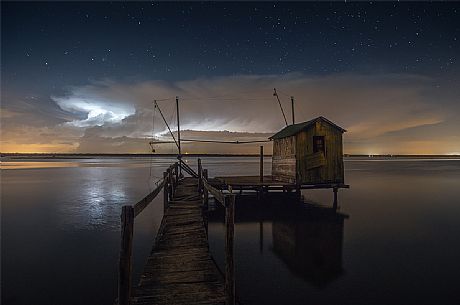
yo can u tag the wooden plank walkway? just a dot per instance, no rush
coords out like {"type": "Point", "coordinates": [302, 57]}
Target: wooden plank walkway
{"type": "Point", "coordinates": [180, 269]}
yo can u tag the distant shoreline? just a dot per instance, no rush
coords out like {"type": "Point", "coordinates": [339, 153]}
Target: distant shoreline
{"type": "Point", "coordinates": [91, 156]}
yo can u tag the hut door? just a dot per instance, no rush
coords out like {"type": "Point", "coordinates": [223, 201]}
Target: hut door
{"type": "Point", "coordinates": [318, 144]}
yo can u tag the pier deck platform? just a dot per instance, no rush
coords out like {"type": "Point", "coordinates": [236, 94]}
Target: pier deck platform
{"type": "Point", "coordinates": [268, 182]}
{"type": "Point", "coordinates": [180, 269]}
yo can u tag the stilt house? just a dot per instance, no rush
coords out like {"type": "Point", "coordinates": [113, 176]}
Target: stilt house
{"type": "Point", "coordinates": [309, 153]}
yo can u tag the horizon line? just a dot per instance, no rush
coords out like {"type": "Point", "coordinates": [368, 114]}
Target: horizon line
{"type": "Point", "coordinates": [2, 154]}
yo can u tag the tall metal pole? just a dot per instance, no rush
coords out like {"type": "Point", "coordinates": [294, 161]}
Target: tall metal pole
{"type": "Point", "coordinates": [166, 123]}
{"type": "Point", "coordinates": [279, 103]}
{"type": "Point", "coordinates": [178, 133]}
{"type": "Point", "coordinates": [292, 109]}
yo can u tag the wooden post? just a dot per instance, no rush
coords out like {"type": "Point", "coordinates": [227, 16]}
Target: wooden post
{"type": "Point", "coordinates": [206, 193]}
{"type": "Point", "coordinates": [292, 110]}
{"type": "Point", "coordinates": [205, 202]}
{"type": "Point", "coordinates": [229, 248]}
{"type": "Point", "coordinates": [298, 193]}
{"type": "Point", "coordinates": [126, 251]}
{"type": "Point", "coordinates": [261, 165]}
{"type": "Point", "coordinates": [168, 178]}
{"type": "Point", "coordinates": [335, 189]}
{"type": "Point", "coordinates": [171, 181]}
{"type": "Point", "coordinates": [165, 192]}
{"type": "Point", "coordinates": [200, 175]}
{"type": "Point", "coordinates": [176, 172]}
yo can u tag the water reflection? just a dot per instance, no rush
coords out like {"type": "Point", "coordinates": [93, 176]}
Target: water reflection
{"type": "Point", "coordinates": [97, 207]}
{"type": "Point", "coordinates": [306, 238]}
{"type": "Point", "coordinates": [310, 243]}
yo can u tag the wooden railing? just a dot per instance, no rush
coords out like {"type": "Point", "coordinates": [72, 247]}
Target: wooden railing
{"type": "Point", "coordinates": [228, 202]}
{"type": "Point", "coordinates": [128, 214]}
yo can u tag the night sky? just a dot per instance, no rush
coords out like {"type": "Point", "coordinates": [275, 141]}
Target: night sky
{"type": "Point", "coordinates": [81, 77]}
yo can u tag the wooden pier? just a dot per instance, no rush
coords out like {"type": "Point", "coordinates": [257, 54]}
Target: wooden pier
{"type": "Point", "coordinates": [179, 269]}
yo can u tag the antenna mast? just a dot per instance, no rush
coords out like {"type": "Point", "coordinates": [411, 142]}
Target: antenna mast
{"type": "Point", "coordinates": [281, 107]}
{"type": "Point", "coordinates": [167, 125]}
{"type": "Point", "coordinates": [178, 134]}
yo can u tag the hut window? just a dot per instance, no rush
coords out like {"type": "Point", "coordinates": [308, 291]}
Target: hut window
{"type": "Point", "coordinates": [318, 144]}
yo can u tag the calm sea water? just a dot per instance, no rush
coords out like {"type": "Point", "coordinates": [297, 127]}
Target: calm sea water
{"type": "Point", "coordinates": [396, 239]}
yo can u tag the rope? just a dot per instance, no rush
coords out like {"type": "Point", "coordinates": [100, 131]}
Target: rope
{"type": "Point", "coordinates": [225, 142]}
{"type": "Point", "coordinates": [213, 141]}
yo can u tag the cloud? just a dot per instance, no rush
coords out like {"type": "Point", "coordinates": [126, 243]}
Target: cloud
{"type": "Point", "coordinates": [97, 109]}
{"type": "Point", "coordinates": [120, 115]}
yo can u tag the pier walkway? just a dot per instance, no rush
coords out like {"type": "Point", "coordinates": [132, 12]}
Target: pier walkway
{"type": "Point", "coordinates": [180, 269]}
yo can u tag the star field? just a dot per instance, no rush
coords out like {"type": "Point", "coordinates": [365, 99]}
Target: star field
{"type": "Point", "coordinates": [58, 49]}
{"type": "Point", "coordinates": [183, 40]}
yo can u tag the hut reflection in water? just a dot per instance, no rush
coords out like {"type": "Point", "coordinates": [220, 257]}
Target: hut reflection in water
{"type": "Point", "coordinates": [307, 238]}
{"type": "Point", "coordinates": [310, 244]}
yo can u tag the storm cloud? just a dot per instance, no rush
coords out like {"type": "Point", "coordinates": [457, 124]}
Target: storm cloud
{"type": "Point", "coordinates": [385, 113]}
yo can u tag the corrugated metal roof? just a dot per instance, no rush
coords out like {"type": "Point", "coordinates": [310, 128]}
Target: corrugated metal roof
{"type": "Point", "coordinates": [296, 128]}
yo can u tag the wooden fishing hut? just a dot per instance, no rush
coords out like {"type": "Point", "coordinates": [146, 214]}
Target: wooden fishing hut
{"type": "Point", "coordinates": [309, 153]}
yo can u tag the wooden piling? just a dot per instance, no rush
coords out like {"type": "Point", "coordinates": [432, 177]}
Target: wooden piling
{"type": "Point", "coordinates": [298, 193]}
{"type": "Point", "coordinates": [206, 193]}
{"type": "Point", "coordinates": [205, 197]}
{"type": "Point", "coordinates": [165, 192]}
{"type": "Point", "coordinates": [168, 177]}
{"type": "Point", "coordinates": [200, 176]}
{"type": "Point", "coordinates": [334, 205]}
{"type": "Point", "coordinates": [125, 260]}
{"type": "Point", "coordinates": [229, 248]}
{"type": "Point", "coordinates": [261, 165]}
{"type": "Point", "coordinates": [171, 180]}
{"type": "Point", "coordinates": [176, 172]}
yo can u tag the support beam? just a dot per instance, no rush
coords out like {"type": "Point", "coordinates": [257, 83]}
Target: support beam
{"type": "Point", "coordinates": [334, 205]}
